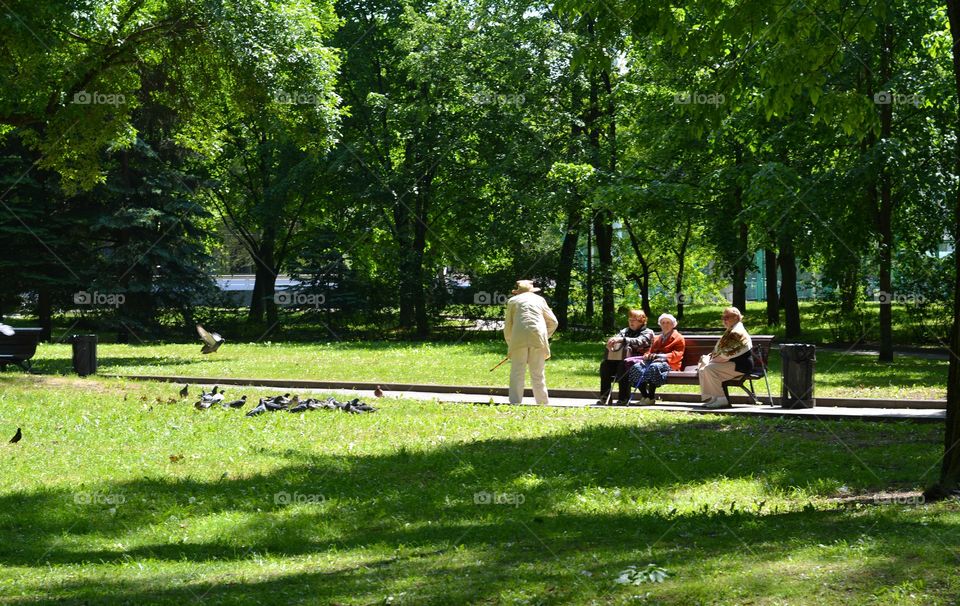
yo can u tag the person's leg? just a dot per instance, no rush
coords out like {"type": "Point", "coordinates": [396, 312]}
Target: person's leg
{"type": "Point", "coordinates": [652, 391]}
{"type": "Point", "coordinates": [623, 393]}
{"type": "Point", "coordinates": [518, 368]}
{"type": "Point", "coordinates": [712, 377]}
{"type": "Point", "coordinates": [538, 377]}
{"type": "Point", "coordinates": [709, 381]}
{"type": "Point", "coordinates": [607, 370]}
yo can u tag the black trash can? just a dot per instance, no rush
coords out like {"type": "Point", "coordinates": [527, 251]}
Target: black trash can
{"type": "Point", "coordinates": [799, 361]}
{"type": "Point", "coordinates": [84, 354]}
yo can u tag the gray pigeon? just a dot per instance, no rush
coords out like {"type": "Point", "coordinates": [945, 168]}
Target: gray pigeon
{"type": "Point", "coordinates": [211, 340]}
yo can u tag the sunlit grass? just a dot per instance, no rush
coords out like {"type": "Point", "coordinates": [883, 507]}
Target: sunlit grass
{"type": "Point", "coordinates": [116, 495]}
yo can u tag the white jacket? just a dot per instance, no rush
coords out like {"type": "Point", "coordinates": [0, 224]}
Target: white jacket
{"type": "Point", "coordinates": [529, 322]}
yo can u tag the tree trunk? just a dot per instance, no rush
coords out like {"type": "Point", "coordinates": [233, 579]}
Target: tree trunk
{"type": "Point", "coordinates": [681, 263]}
{"type": "Point", "coordinates": [602, 225]}
{"type": "Point", "coordinates": [568, 253]}
{"type": "Point", "coordinates": [885, 214]}
{"type": "Point", "coordinates": [643, 280]}
{"type": "Point", "coordinates": [419, 249]}
{"type": "Point", "coordinates": [265, 281]}
{"type": "Point", "coordinates": [44, 314]}
{"type": "Point", "coordinates": [590, 271]}
{"type": "Point", "coordinates": [571, 233]}
{"type": "Point", "coordinates": [606, 250]}
{"type": "Point", "coordinates": [773, 301]}
{"type": "Point", "coordinates": [788, 288]}
{"type": "Point", "coordinates": [740, 271]}
{"type": "Point", "coordinates": [950, 467]}
{"type": "Point", "coordinates": [743, 261]}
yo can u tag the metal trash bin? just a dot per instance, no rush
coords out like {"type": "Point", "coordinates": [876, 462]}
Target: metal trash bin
{"type": "Point", "coordinates": [799, 361]}
{"type": "Point", "coordinates": [84, 354]}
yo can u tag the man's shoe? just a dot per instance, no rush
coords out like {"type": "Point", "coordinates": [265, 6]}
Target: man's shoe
{"type": "Point", "coordinates": [648, 401]}
{"type": "Point", "coordinates": [717, 403]}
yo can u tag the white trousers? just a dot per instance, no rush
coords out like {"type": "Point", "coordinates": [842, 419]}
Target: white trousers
{"type": "Point", "coordinates": [520, 358]}
{"type": "Point", "coordinates": [712, 377]}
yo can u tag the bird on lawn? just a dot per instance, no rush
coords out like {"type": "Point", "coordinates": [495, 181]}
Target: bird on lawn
{"type": "Point", "coordinates": [185, 391]}
{"type": "Point", "coordinates": [236, 403]}
{"type": "Point", "coordinates": [16, 437]}
{"type": "Point", "coordinates": [378, 392]}
{"type": "Point", "coordinates": [211, 340]}
{"type": "Point", "coordinates": [258, 409]}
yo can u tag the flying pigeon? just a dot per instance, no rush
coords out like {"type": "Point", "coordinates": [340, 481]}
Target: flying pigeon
{"type": "Point", "coordinates": [6, 330]}
{"type": "Point", "coordinates": [211, 340]}
{"type": "Point", "coordinates": [16, 437]}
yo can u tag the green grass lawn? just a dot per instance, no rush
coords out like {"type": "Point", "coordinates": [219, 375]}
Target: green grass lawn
{"type": "Point", "coordinates": [114, 496]}
{"type": "Point", "coordinates": [574, 365]}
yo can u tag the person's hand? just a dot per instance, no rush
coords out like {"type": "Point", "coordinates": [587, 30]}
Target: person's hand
{"type": "Point", "coordinates": [611, 343]}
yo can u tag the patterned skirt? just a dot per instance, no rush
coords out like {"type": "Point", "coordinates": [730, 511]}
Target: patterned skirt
{"type": "Point", "coordinates": [654, 373]}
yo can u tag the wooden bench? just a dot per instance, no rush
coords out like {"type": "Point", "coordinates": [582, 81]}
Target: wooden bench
{"type": "Point", "coordinates": [696, 346]}
{"type": "Point", "coordinates": [19, 347]}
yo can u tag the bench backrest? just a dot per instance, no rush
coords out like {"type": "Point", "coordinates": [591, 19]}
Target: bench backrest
{"type": "Point", "coordinates": [22, 344]}
{"type": "Point", "coordinates": [696, 346]}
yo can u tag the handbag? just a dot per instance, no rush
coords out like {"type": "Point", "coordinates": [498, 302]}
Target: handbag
{"type": "Point", "coordinates": [619, 351]}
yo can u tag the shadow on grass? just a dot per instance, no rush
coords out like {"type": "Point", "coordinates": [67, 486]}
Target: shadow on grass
{"type": "Point", "coordinates": [419, 516]}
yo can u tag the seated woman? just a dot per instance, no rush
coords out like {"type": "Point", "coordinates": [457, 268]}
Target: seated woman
{"type": "Point", "coordinates": [633, 340]}
{"type": "Point", "coordinates": [731, 357]}
{"type": "Point", "coordinates": [650, 371]}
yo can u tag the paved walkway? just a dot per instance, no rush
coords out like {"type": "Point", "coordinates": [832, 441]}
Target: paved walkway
{"type": "Point", "coordinates": [821, 413]}
{"type": "Point", "coordinates": [832, 412]}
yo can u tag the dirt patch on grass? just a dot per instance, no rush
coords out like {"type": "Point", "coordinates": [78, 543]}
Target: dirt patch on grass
{"type": "Point", "coordinates": [883, 497]}
{"type": "Point", "coordinates": [58, 382]}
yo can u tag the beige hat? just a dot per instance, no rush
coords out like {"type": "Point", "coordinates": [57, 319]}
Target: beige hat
{"type": "Point", "coordinates": [524, 286]}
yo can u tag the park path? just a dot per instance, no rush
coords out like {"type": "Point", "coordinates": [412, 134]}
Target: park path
{"type": "Point", "coordinates": [858, 409]}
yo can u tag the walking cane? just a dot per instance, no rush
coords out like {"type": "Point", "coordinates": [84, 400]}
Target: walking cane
{"type": "Point", "coordinates": [501, 362]}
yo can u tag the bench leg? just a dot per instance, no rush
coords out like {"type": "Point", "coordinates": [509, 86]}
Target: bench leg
{"type": "Point", "coordinates": [750, 392]}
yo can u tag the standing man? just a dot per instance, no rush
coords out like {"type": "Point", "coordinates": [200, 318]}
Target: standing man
{"type": "Point", "coordinates": [527, 327]}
